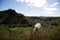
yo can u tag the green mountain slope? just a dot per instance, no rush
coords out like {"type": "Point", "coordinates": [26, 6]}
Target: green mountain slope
{"type": "Point", "coordinates": [11, 18]}
{"type": "Point", "coordinates": [47, 21]}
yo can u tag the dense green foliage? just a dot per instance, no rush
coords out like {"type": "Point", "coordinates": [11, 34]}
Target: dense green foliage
{"type": "Point", "coordinates": [13, 19]}
{"type": "Point", "coordinates": [47, 21]}
{"type": "Point", "coordinates": [15, 26]}
{"type": "Point", "coordinates": [44, 33]}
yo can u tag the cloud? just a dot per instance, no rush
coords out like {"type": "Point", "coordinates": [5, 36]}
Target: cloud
{"type": "Point", "coordinates": [54, 4]}
{"type": "Point", "coordinates": [48, 8]}
{"type": "Point", "coordinates": [20, 0]}
{"type": "Point", "coordinates": [36, 3]}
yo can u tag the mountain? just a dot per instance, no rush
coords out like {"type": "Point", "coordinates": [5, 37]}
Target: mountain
{"type": "Point", "coordinates": [12, 19]}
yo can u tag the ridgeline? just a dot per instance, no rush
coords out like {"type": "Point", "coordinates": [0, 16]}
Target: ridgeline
{"type": "Point", "coordinates": [11, 18]}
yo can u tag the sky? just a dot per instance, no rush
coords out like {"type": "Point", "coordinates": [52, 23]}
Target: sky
{"type": "Point", "coordinates": [32, 7]}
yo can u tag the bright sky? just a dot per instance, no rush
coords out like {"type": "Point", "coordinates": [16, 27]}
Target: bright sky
{"type": "Point", "coordinates": [32, 7]}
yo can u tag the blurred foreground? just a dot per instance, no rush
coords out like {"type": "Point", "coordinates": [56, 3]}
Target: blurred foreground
{"type": "Point", "coordinates": [21, 33]}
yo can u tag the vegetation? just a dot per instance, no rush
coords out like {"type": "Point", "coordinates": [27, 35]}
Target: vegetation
{"type": "Point", "coordinates": [12, 19]}
{"type": "Point", "coordinates": [14, 26]}
{"type": "Point", "coordinates": [47, 21]}
{"type": "Point", "coordinates": [44, 33]}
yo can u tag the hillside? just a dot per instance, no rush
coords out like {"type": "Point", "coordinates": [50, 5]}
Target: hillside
{"type": "Point", "coordinates": [16, 26]}
{"type": "Point", "coordinates": [47, 21]}
{"type": "Point", "coordinates": [12, 19]}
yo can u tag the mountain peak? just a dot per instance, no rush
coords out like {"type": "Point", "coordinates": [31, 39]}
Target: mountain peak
{"type": "Point", "coordinates": [10, 17]}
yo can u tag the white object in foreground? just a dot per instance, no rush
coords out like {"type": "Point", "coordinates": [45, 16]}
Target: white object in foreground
{"type": "Point", "coordinates": [37, 26]}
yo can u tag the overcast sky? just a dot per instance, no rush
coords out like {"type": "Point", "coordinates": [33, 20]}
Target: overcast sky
{"type": "Point", "coordinates": [32, 7]}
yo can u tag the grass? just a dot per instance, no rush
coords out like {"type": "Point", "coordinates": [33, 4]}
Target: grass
{"type": "Point", "coordinates": [44, 33]}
